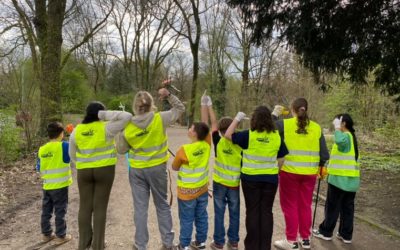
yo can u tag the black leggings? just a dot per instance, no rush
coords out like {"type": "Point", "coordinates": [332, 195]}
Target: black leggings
{"type": "Point", "coordinates": [94, 191]}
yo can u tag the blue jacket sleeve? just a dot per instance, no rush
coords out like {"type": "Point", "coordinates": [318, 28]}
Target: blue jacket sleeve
{"type": "Point", "coordinates": [38, 164]}
{"type": "Point", "coordinates": [65, 147]}
{"type": "Point", "coordinates": [241, 138]}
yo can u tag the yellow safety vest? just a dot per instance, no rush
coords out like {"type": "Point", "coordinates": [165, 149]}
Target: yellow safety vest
{"type": "Point", "coordinates": [344, 164]}
{"type": "Point", "coordinates": [227, 163]}
{"type": "Point", "coordinates": [55, 172]}
{"type": "Point", "coordinates": [149, 146]}
{"type": "Point", "coordinates": [303, 157]}
{"type": "Point", "coordinates": [260, 157]}
{"type": "Point", "coordinates": [195, 174]}
{"type": "Point", "coordinates": [93, 150]}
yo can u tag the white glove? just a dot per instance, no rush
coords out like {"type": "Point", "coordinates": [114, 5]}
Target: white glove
{"type": "Point", "coordinates": [205, 100]}
{"type": "Point", "coordinates": [278, 110]}
{"type": "Point", "coordinates": [240, 116]}
{"type": "Point", "coordinates": [337, 123]}
{"type": "Point", "coordinates": [209, 103]}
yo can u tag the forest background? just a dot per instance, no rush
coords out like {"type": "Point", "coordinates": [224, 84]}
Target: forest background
{"type": "Point", "coordinates": [56, 56]}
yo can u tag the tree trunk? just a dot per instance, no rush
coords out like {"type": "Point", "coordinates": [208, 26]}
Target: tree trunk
{"type": "Point", "coordinates": [195, 54]}
{"type": "Point", "coordinates": [50, 88]}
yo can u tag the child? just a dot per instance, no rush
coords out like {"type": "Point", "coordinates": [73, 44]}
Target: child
{"type": "Point", "coordinates": [192, 163]}
{"type": "Point", "coordinates": [343, 182]}
{"type": "Point", "coordinates": [226, 179]}
{"type": "Point", "coordinates": [53, 164]}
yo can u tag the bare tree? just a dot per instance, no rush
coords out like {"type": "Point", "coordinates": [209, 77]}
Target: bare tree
{"type": "Point", "coordinates": [188, 25]}
{"type": "Point", "coordinates": [40, 25]}
{"type": "Point", "coordinates": [144, 38]}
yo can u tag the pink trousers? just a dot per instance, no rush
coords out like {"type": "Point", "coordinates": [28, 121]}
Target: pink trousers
{"type": "Point", "coordinates": [295, 194]}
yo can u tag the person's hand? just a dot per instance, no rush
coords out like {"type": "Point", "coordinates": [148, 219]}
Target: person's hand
{"type": "Point", "coordinates": [206, 100]}
{"type": "Point", "coordinates": [240, 116]}
{"type": "Point", "coordinates": [163, 93]}
{"type": "Point", "coordinates": [323, 173]}
{"type": "Point", "coordinates": [337, 123]}
{"type": "Point", "coordinates": [279, 110]}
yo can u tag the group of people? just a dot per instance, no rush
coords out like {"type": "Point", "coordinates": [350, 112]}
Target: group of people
{"type": "Point", "coordinates": [291, 152]}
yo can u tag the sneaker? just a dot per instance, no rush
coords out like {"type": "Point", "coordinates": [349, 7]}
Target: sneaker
{"type": "Point", "coordinates": [173, 247]}
{"type": "Point", "coordinates": [341, 238]}
{"type": "Point", "coordinates": [183, 248]}
{"type": "Point", "coordinates": [318, 234]}
{"type": "Point", "coordinates": [232, 246]}
{"type": "Point", "coordinates": [62, 240]}
{"type": "Point", "coordinates": [215, 246]}
{"type": "Point", "coordinates": [305, 244]}
{"type": "Point", "coordinates": [286, 245]}
{"type": "Point", "coordinates": [196, 245]}
{"type": "Point", "coordinates": [47, 238]}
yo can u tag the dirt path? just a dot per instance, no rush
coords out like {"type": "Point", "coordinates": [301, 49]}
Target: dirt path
{"type": "Point", "coordinates": [24, 228]}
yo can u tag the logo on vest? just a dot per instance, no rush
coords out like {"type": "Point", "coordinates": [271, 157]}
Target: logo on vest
{"type": "Point", "coordinates": [228, 151]}
{"type": "Point", "coordinates": [198, 152]}
{"type": "Point", "coordinates": [263, 140]}
{"type": "Point", "coordinates": [144, 132]}
{"type": "Point", "coordinates": [88, 133]}
{"type": "Point", "coordinates": [47, 155]}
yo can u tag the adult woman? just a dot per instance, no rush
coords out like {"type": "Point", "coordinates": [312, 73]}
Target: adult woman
{"type": "Point", "coordinates": [145, 140]}
{"type": "Point", "coordinates": [92, 150]}
{"type": "Point", "coordinates": [307, 151]}
{"type": "Point", "coordinates": [262, 147]}
{"type": "Point", "coordinates": [343, 182]}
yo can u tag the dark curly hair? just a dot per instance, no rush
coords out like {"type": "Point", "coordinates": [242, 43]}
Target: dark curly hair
{"type": "Point", "coordinates": [261, 120]}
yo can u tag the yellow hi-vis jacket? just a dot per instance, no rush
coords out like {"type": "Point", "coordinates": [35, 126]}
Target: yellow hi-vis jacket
{"type": "Point", "coordinates": [55, 172]}
{"type": "Point", "coordinates": [93, 150]}
{"type": "Point", "coordinates": [260, 157]}
{"type": "Point", "coordinates": [303, 157]}
{"type": "Point", "coordinates": [344, 164]}
{"type": "Point", "coordinates": [195, 174]}
{"type": "Point", "coordinates": [227, 163]}
{"type": "Point", "coordinates": [149, 146]}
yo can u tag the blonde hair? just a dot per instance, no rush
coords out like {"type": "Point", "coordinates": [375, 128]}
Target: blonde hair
{"type": "Point", "coordinates": [143, 103]}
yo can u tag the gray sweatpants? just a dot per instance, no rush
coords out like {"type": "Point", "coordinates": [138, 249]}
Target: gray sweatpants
{"type": "Point", "coordinates": [143, 181]}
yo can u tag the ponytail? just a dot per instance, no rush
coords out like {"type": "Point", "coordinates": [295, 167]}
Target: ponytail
{"type": "Point", "coordinates": [349, 124]}
{"type": "Point", "coordinates": [300, 107]}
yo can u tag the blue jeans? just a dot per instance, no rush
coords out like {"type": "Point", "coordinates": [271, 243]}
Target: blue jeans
{"type": "Point", "coordinates": [222, 196]}
{"type": "Point", "coordinates": [193, 211]}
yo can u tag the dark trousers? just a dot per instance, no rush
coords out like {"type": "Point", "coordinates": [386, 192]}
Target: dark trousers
{"type": "Point", "coordinates": [54, 200]}
{"type": "Point", "coordinates": [338, 203]}
{"type": "Point", "coordinates": [94, 191]}
{"type": "Point", "coordinates": [259, 199]}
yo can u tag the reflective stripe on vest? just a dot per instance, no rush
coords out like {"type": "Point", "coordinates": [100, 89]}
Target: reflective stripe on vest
{"type": "Point", "coordinates": [260, 157]}
{"type": "Point", "coordinates": [303, 157]}
{"type": "Point", "coordinates": [55, 173]}
{"type": "Point", "coordinates": [344, 164]}
{"type": "Point", "coordinates": [195, 174]}
{"type": "Point", "coordinates": [227, 163]}
{"type": "Point", "coordinates": [93, 150]}
{"type": "Point", "coordinates": [149, 146]}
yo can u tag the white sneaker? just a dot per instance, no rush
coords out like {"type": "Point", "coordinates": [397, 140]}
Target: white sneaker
{"type": "Point", "coordinates": [318, 234]}
{"type": "Point", "coordinates": [286, 245]}
{"type": "Point", "coordinates": [341, 238]}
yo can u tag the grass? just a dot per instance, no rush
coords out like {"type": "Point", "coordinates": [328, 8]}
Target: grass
{"type": "Point", "coordinates": [375, 153]}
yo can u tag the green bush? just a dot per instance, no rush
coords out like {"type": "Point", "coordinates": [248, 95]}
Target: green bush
{"type": "Point", "coordinates": [10, 138]}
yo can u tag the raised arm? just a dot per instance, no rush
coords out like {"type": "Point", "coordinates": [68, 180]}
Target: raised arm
{"type": "Point", "coordinates": [229, 132]}
{"type": "Point", "coordinates": [169, 117]}
{"type": "Point", "coordinates": [213, 119]}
